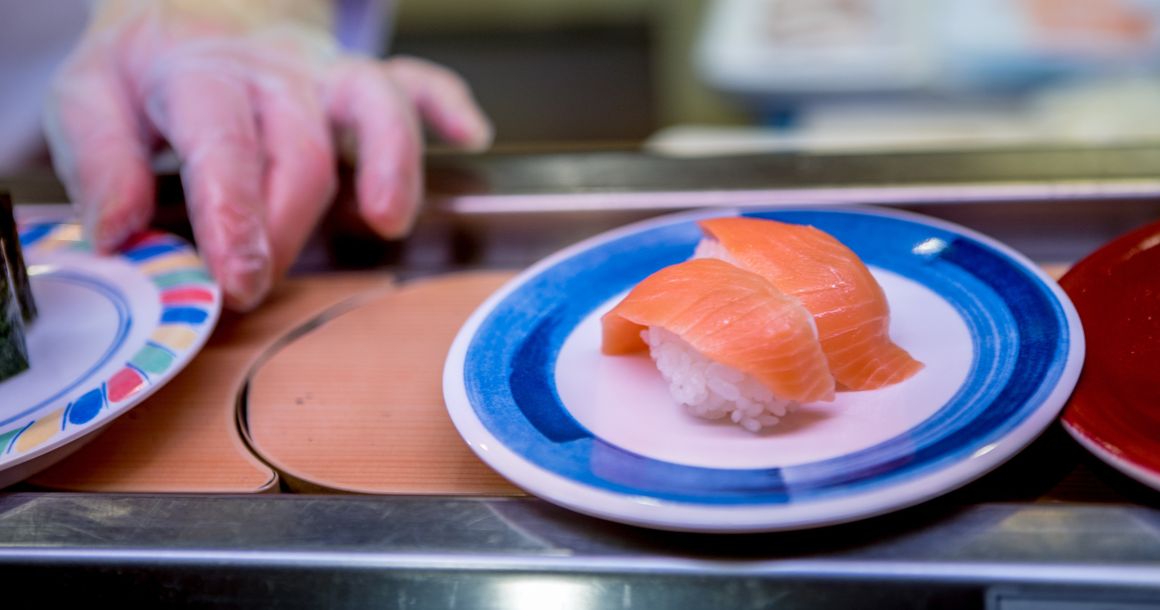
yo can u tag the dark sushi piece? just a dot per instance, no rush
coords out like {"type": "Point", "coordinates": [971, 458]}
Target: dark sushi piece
{"type": "Point", "coordinates": [13, 348]}
{"type": "Point", "coordinates": [10, 244]}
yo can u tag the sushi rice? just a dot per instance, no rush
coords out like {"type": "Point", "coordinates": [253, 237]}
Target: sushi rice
{"type": "Point", "coordinates": [709, 389]}
{"type": "Point", "coordinates": [712, 390]}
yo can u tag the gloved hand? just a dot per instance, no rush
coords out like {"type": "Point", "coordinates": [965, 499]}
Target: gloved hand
{"type": "Point", "coordinates": [253, 97]}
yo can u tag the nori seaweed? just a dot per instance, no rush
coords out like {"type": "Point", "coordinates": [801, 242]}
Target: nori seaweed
{"type": "Point", "coordinates": [13, 348]}
{"type": "Point", "coordinates": [10, 244]}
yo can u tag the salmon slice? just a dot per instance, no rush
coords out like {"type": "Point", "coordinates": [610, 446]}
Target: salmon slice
{"type": "Point", "coordinates": [829, 279]}
{"type": "Point", "coordinates": [731, 316]}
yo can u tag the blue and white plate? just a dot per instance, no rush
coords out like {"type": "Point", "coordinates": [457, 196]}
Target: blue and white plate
{"type": "Point", "coordinates": [529, 390]}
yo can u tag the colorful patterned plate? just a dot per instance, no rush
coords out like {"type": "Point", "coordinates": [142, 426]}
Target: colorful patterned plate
{"type": "Point", "coordinates": [111, 331]}
{"type": "Point", "coordinates": [1115, 410]}
{"type": "Point", "coordinates": [529, 391]}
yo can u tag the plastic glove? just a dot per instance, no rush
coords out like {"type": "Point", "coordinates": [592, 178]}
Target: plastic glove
{"type": "Point", "coordinates": [252, 96]}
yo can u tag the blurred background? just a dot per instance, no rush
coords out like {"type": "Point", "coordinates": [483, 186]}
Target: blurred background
{"type": "Point", "coordinates": [563, 70]}
{"type": "Point", "coordinates": [698, 78]}
{"type": "Point", "coordinates": [709, 76]}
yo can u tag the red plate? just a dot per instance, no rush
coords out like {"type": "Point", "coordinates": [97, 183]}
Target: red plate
{"type": "Point", "coordinates": [1115, 409]}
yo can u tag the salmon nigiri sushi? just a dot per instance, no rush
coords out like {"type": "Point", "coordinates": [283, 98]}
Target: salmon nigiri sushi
{"type": "Point", "coordinates": [831, 282]}
{"type": "Point", "coordinates": [727, 341]}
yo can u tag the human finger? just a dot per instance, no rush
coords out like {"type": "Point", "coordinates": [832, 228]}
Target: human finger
{"type": "Point", "coordinates": [300, 165]}
{"type": "Point", "coordinates": [207, 114]}
{"type": "Point", "coordinates": [100, 149]}
{"type": "Point", "coordinates": [389, 143]}
{"type": "Point", "coordinates": [444, 101]}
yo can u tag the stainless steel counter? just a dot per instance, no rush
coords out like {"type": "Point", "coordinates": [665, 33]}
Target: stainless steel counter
{"type": "Point", "coordinates": [404, 552]}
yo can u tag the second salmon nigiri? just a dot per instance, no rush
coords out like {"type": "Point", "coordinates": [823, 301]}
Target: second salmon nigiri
{"type": "Point", "coordinates": [848, 305]}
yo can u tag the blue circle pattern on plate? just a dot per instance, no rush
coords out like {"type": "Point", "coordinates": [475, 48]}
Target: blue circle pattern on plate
{"type": "Point", "coordinates": [189, 302]}
{"type": "Point", "coordinates": [1018, 328]}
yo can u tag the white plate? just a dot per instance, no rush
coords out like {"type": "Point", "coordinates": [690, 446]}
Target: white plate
{"type": "Point", "coordinates": [529, 391]}
{"type": "Point", "coordinates": [111, 331]}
